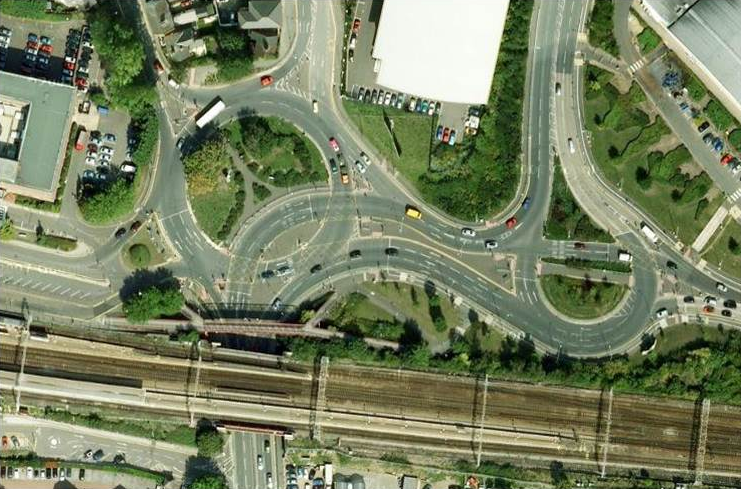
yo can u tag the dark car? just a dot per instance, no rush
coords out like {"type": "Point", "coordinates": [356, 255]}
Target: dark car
{"type": "Point", "coordinates": [355, 254]}
{"type": "Point", "coordinates": [277, 304]}
{"type": "Point", "coordinates": [726, 313]}
{"type": "Point", "coordinates": [526, 203]}
{"type": "Point", "coordinates": [135, 226]}
{"type": "Point", "coordinates": [730, 304]}
{"type": "Point", "coordinates": [579, 245]}
{"type": "Point", "coordinates": [120, 233]}
{"type": "Point", "coordinates": [688, 299]}
{"type": "Point", "coordinates": [333, 165]}
{"type": "Point", "coordinates": [316, 268]}
{"type": "Point", "coordinates": [708, 138]}
{"type": "Point", "coordinates": [671, 265]}
{"type": "Point", "coordinates": [266, 274]}
{"type": "Point", "coordinates": [120, 458]}
{"type": "Point", "coordinates": [702, 127]}
{"type": "Point", "coordinates": [391, 251]}
{"type": "Point", "coordinates": [98, 455]}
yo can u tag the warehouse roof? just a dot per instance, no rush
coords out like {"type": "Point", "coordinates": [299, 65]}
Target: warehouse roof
{"type": "Point", "coordinates": [709, 30]}
{"type": "Point", "coordinates": [43, 141]}
{"type": "Point", "coordinates": [438, 49]}
{"type": "Point", "coordinates": [667, 11]}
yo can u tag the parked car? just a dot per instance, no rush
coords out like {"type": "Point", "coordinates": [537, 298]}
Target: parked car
{"type": "Point", "coordinates": [688, 299]}
{"type": "Point", "coordinates": [109, 138]}
{"type": "Point", "coordinates": [662, 313]}
{"type": "Point", "coordinates": [726, 313]}
{"type": "Point", "coordinates": [718, 145]}
{"type": "Point", "coordinates": [412, 104]}
{"type": "Point", "coordinates": [277, 304]}
{"type": "Point", "coordinates": [711, 301]}
{"type": "Point", "coordinates": [431, 108]}
{"type": "Point", "coordinates": [703, 127]}
{"type": "Point", "coordinates": [90, 160]}
{"type": "Point", "coordinates": [451, 140]}
{"type": "Point", "coordinates": [727, 158]}
{"type": "Point", "coordinates": [729, 303]}
{"type": "Point", "coordinates": [446, 135]}
{"type": "Point", "coordinates": [107, 150]}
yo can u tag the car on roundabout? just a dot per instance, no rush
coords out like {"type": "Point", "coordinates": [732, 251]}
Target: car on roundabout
{"type": "Point", "coordinates": [491, 244]}
{"type": "Point", "coordinates": [726, 313]}
{"type": "Point", "coordinates": [360, 166]}
{"type": "Point", "coordinates": [267, 274]}
{"type": "Point", "coordinates": [334, 145]}
{"type": "Point", "coordinates": [511, 222]}
{"type": "Point", "coordinates": [266, 80]}
{"type": "Point", "coordinates": [392, 251]}
{"type": "Point", "coordinates": [316, 268]}
{"type": "Point", "coordinates": [355, 254]}
{"type": "Point", "coordinates": [468, 232]}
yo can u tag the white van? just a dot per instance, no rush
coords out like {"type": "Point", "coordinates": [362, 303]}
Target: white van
{"type": "Point", "coordinates": [572, 146]}
{"type": "Point", "coordinates": [126, 168]}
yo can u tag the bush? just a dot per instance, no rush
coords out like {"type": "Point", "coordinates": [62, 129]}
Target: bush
{"type": "Point", "coordinates": [735, 139]}
{"type": "Point", "coordinates": [140, 255]}
{"type": "Point", "coordinates": [601, 33]}
{"type": "Point", "coordinates": [8, 231]}
{"type": "Point", "coordinates": [107, 204]}
{"type": "Point", "coordinates": [56, 242]}
{"type": "Point", "coordinates": [153, 302]}
{"type": "Point", "coordinates": [210, 443]}
{"type": "Point", "coordinates": [260, 192]}
{"type": "Point", "coordinates": [209, 481]}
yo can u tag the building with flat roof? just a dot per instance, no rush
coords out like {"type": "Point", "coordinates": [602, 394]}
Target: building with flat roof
{"type": "Point", "coordinates": [705, 35]}
{"type": "Point", "coordinates": [34, 130]}
{"type": "Point", "coordinates": [438, 49]}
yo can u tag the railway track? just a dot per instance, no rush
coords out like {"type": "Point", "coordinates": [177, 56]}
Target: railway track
{"type": "Point", "coordinates": [522, 420]}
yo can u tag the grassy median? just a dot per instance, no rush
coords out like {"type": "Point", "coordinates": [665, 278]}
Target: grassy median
{"type": "Point", "coordinates": [581, 298]}
{"type": "Point", "coordinates": [725, 249]}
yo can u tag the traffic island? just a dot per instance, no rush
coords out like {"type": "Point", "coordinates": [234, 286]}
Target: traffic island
{"type": "Point", "coordinates": [581, 298]}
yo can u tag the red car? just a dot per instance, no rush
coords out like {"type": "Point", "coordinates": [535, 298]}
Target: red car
{"type": "Point", "coordinates": [158, 66]}
{"type": "Point", "coordinates": [47, 48]}
{"type": "Point", "coordinates": [708, 309]}
{"type": "Point", "coordinates": [266, 80]}
{"type": "Point", "coordinates": [69, 66]}
{"type": "Point", "coordinates": [335, 146]}
{"type": "Point", "coordinates": [5, 441]}
{"type": "Point", "coordinates": [511, 222]}
{"type": "Point", "coordinates": [81, 83]}
{"type": "Point", "coordinates": [32, 45]}
{"type": "Point", "coordinates": [727, 158]}
{"type": "Point", "coordinates": [446, 135]}
{"type": "Point", "coordinates": [356, 26]}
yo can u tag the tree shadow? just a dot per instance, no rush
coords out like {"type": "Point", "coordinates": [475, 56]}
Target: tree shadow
{"type": "Point", "coordinates": [143, 279]}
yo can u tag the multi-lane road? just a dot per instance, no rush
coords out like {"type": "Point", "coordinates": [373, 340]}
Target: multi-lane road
{"type": "Point", "coordinates": [428, 249]}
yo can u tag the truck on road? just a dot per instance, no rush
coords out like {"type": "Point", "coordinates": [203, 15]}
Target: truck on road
{"type": "Point", "coordinates": [209, 113]}
{"type": "Point", "coordinates": [649, 233]}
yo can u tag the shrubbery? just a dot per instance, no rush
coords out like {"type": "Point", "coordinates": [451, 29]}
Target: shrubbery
{"type": "Point", "coordinates": [601, 34]}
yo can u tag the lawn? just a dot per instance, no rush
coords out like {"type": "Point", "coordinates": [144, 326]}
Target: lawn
{"type": "Point", "coordinates": [719, 115]}
{"type": "Point", "coordinates": [357, 315]}
{"type": "Point", "coordinates": [580, 298]}
{"type": "Point", "coordinates": [601, 27]}
{"type": "Point", "coordinates": [414, 304]}
{"type": "Point", "coordinates": [566, 220]}
{"type": "Point", "coordinates": [648, 40]}
{"type": "Point", "coordinates": [212, 208]}
{"type": "Point", "coordinates": [141, 252]}
{"type": "Point", "coordinates": [735, 139]}
{"type": "Point", "coordinates": [669, 186]}
{"type": "Point", "coordinates": [35, 10]}
{"type": "Point", "coordinates": [56, 242]}
{"type": "Point", "coordinates": [413, 132]}
{"type": "Point", "coordinates": [276, 151]}
{"type": "Point", "coordinates": [725, 250]}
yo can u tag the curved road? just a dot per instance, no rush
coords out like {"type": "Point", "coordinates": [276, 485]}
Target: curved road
{"type": "Point", "coordinates": [431, 249]}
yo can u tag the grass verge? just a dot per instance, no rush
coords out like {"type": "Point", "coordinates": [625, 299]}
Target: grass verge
{"type": "Point", "coordinates": [613, 266]}
{"type": "Point", "coordinates": [601, 33]}
{"type": "Point", "coordinates": [725, 251]}
{"type": "Point", "coordinates": [566, 220]}
{"type": "Point", "coordinates": [581, 298]}
{"type": "Point", "coordinates": [648, 40]}
{"type": "Point", "coordinates": [171, 433]}
{"type": "Point", "coordinates": [36, 10]}
{"type": "Point", "coordinates": [56, 242]}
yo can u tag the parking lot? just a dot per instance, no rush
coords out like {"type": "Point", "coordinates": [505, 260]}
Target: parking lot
{"type": "Point", "coordinates": [256, 460]}
{"type": "Point", "coordinates": [60, 51]}
{"type": "Point", "coordinates": [361, 77]}
{"type": "Point", "coordinates": [65, 442]}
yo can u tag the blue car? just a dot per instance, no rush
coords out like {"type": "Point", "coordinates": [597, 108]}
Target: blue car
{"type": "Point", "coordinates": [526, 203]}
{"type": "Point", "coordinates": [33, 37]}
{"type": "Point", "coordinates": [717, 145]}
{"type": "Point", "coordinates": [439, 135]}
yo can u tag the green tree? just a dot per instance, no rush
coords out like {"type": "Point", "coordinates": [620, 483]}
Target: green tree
{"type": "Point", "coordinates": [203, 167]}
{"type": "Point", "coordinates": [231, 41]}
{"type": "Point", "coordinates": [8, 231]}
{"type": "Point", "coordinates": [108, 204]}
{"type": "Point", "coordinates": [210, 443]}
{"type": "Point", "coordinates": [152, 303]}
{"type": "Point", "coordinates": [734, 246]}
{"type": "Point", "coordinates": [139, 255]}
{"type": "Point", "coordinates": [209, 481]}
{"type": "Point", "coordinates": [120, 49]}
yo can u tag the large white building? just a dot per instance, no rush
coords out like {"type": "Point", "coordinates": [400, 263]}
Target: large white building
{"type": "Point", "coordinates": [705, 34]}
{"type": "Point", "coordinates": [440, 49]}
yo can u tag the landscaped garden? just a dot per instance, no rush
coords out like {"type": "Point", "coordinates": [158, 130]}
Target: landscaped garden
{"type": "Point", "coordinates": [667, 184]}
{"type": "Point", "coordinates": [214, 188]}
{"type": "Point", "coordinates": [581, 298]}
{"type": "Point", "coordinates": [566, 220]}
{"type": "Point", "coordinates": [276, 152]}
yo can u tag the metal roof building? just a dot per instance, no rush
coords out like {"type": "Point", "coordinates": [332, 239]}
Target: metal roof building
{"type": "Point", "coordinates": [438, 49]}
{"type": "Point", "coordinates": [34, 130]}
{"type": "Point", "coordinates": [706, 35]}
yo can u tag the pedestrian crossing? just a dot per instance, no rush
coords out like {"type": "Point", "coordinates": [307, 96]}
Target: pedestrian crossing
{"type": "Point", "coordinates": [636, 66]}
{"type": "Point", "coordinates": [736, 195]}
